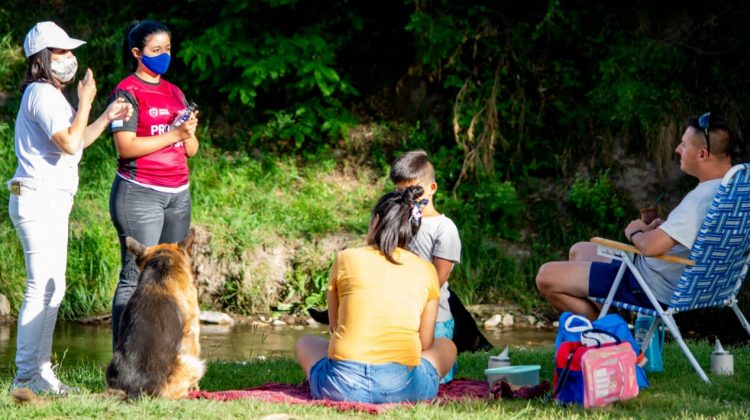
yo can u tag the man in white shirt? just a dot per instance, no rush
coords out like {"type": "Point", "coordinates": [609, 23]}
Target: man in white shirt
{"type": "Point", "coordinates": [705, 151]}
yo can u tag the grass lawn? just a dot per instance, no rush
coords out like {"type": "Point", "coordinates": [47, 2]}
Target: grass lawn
{"type": "Point", "coordinates": [677, 393]}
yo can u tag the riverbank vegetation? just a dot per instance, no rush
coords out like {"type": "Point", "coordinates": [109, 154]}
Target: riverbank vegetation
{"type": "Point", "coordinates": [677, 393]}
{"type": "Point", "coordinates": [549, 122]}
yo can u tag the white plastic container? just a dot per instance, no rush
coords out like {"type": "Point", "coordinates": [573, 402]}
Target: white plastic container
{"type": "Point", "coordinates": [524, 375]}
{"type": "Point", "coordinates": [722, 361]}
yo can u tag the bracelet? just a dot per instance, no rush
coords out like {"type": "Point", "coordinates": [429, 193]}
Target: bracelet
{"type": "Point", "coordinates": [633, 234]}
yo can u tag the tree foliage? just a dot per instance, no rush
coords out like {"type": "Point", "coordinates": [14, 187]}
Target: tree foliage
{"type": "Point", "coordinates": [287, 72]}
{"type": "Point", "coordinates": [499, 93]}
{"type": "Point", "coordinates": [527, 86]}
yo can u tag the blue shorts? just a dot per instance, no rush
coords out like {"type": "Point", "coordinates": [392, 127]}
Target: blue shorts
{"type": "Point", "coordinates": [346, 380]}
{"type": "Point", "coordinates": [601, 277]}
{"type": "Point", "coordinates": [444, 329]}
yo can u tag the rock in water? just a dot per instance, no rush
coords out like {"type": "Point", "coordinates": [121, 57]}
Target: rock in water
{"type": "Point", "coordinates": [215, 317]}
{"type": "Point", "coordinates": [494, 321]}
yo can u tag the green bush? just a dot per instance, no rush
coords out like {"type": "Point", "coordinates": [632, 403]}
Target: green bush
{"type": "Point", "coordinates": [636, 88]}
{"type": "Point", "coordinates": [12, 65]}
{"type": "Point", "coordinates": [316, 298]}
{"type": "Point", "coordinates": [597, 204]}
{"type": "Point", "coordinates": [293, 73]}
{"type": "Point", "coordinates": [491, 209]}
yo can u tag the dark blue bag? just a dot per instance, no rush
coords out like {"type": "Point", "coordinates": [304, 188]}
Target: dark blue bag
{"type": "Point", "coordinates": [571, 326]}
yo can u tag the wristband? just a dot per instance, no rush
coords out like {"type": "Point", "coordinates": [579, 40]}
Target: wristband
{"type": "Point", "coordinates": [633, 234]}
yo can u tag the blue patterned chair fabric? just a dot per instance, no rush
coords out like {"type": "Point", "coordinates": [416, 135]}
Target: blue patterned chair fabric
{"type": "Point", "coordinates": [721, 250]}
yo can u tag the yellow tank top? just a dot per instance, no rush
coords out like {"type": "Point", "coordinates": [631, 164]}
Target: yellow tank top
{"type": "Point", "coordinates": [380, 305]}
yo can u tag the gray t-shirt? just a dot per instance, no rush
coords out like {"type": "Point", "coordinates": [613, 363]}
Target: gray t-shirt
{"type": "Point", "coordinates": [438, 237]}
{"type": "Point", "coordinates": [42, 164]}
{"type": "Point", "coordinates": [682, 225]}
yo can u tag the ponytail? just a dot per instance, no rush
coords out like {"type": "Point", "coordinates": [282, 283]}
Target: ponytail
{"type": "Point", "coordinates": [395, 220]}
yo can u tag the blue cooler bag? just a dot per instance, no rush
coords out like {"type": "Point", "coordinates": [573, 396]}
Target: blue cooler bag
{"type": "Point", "coordinates": [595, 371]}
{"type": "Point", "coordinates": [572, 325]}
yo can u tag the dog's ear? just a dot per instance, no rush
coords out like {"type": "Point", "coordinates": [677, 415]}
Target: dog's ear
{"type": "Point", "coordinates": [187, 243]}
{"type": "Point", "coordinates": [135, 247]}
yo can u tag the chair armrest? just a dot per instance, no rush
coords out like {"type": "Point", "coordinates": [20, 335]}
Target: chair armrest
{"type": "Point", "coordinates": [630, 248]}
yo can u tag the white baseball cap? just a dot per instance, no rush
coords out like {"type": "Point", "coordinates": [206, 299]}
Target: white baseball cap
{"type": "Point", "coordinates": [48, 35]}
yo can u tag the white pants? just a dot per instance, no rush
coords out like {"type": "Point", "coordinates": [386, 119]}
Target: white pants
{"type": "Point", "coordinates": [41, 221]}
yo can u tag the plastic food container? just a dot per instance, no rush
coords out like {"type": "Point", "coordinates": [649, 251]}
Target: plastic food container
{"type": "Point", "coordinates": [523, 375]}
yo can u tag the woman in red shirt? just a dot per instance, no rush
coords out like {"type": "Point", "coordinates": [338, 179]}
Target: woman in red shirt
{"type": "Point", "coordinates": [150, 197]}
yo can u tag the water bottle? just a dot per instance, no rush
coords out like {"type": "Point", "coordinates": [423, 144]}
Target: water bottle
{"type": "Point", "coordinates": [184, 115]}
{"type": "Point", "coordinates": [653, 353]}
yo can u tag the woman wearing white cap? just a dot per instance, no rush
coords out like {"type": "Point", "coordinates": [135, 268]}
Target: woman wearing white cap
{"type": "Point", "coordinates": [49, 139]}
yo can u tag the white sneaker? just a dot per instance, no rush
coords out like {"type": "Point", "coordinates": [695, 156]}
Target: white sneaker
{"type": "Point", "coordinates": [37, 385]}
{"type": "Point", "coordinates": [61, 388]}
{"type": "Point", "coordinates": [40, 386]}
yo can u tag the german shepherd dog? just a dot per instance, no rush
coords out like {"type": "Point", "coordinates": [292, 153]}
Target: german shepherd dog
{"type": "Point", "coordinates": [158, 352]}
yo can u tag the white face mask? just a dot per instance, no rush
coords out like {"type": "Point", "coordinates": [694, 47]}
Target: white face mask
{"type": "Point", "coordinates": [64, 70]}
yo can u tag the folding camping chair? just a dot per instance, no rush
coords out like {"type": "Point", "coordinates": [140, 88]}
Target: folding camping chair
{"type": "Point", "coordinates": [714, 273]}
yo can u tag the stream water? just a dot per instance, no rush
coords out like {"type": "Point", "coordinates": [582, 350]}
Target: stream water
{"type": "Point", "coordinates": [75, 343]}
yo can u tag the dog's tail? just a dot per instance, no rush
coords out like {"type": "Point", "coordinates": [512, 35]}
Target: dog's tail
{"type": "Point", "coordinates": [25, 396]}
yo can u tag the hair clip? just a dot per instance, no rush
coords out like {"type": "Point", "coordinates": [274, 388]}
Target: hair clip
{"type": "Point", "coordinates": [416, 210]}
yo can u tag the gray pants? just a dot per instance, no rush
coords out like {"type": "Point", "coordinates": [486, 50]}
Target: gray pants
{"type": "Point", "coordinates": [151, 217]}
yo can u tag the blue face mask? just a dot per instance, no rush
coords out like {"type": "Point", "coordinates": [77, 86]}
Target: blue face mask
{"type": "Point", "coordinates": [157, 64]}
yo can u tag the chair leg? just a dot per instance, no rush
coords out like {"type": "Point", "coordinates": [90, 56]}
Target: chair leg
{"type": "Point", "coordinates": [650, 334]}
{"type": "Point", "coordinates": [613, 289]}
{"type": "Point", "coordinates": [672, 326]}
{"type": "Point", "coordinates": [741, 317]}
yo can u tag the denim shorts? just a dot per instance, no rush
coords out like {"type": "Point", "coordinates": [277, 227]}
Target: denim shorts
{"type": "Point", "coordinates": [602, 276]}
{"type": "Point", "coordinates": [346, 380]}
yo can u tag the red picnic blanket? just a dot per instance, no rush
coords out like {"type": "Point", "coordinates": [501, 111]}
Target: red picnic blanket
{"type": "Point", "coordinates": [300, 394]}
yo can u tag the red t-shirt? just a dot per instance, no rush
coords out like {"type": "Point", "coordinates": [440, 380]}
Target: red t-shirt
{"type": "Point", "coordinates": [156, 106]}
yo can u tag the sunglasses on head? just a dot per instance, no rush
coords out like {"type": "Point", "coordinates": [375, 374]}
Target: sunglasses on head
{"type": "Point", "coordinates": [704, 122]}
